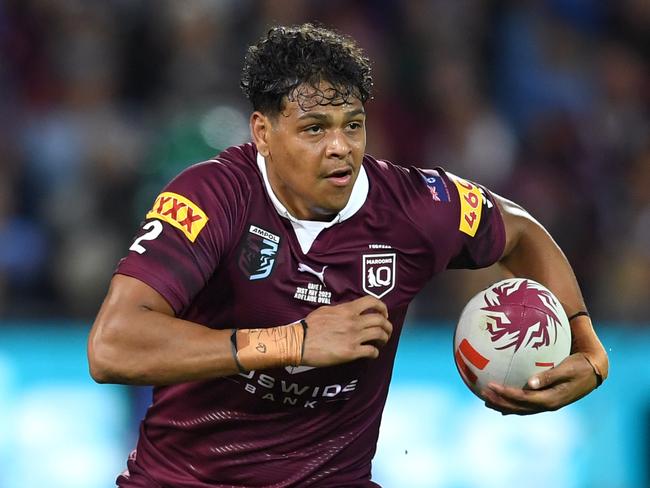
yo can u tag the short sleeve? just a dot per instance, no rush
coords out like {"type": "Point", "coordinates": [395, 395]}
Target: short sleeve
{"type": "Point", "coordinates": [466, 227]}
{"type": "Point", "coordinates": [187, 231]}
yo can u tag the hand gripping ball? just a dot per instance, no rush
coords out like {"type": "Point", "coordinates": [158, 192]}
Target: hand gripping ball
{"type": "Point", "coordinates": [508, 332]}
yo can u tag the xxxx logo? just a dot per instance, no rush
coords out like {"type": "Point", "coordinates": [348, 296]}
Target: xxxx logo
{"type": "Point", "coordinates": [180, 212]}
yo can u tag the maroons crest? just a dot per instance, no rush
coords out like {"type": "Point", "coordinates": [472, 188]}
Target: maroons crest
{"type": "Point", "coordinates": [378, 273]}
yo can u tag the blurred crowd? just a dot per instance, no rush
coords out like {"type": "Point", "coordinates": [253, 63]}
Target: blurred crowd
{"type": "Point", "coordinates": [544, 101]}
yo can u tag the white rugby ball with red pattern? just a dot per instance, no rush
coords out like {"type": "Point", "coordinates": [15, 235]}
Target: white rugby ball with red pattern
{"type": "Point", "coordinates": [508, 332]}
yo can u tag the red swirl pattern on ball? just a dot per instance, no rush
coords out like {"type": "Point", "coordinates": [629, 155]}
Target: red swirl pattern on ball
{"type": "Point", "coordinates": [525, 307]}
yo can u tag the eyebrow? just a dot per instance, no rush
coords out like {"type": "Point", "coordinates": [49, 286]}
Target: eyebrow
{"type": "Point", "coordinates": [324, 117]}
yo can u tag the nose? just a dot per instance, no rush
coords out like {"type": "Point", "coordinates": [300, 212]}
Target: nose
{"type": "Point", "coordinates": [338, 146]}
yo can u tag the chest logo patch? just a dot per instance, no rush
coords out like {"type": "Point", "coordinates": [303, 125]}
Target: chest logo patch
{"type": "Point", "coordinates": [379, 273]}
{"type": "Point", "coordinates": [258, 253]}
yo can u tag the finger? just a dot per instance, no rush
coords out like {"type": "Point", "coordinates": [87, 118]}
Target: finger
{"type": "Point", "coordinates": [507, 405]}
{"type": "Point", "coordinates": [510, 411]}
{"type": "Point", "coordinates": [516, 395]}
{"type": "Point", "coordinates": [367, 351]}
{"type": "Point", "coordinates": [375, 335]}
{"type": "Point", "coordinates": [548, 399]}
{"type": "Point", "coordinates": [376, 320]}
{"type": "Point", "coordinates": [546, 378]}
{"type": "Point", "coordinates": [561, 373]}
{"type": "Point", "coordinates": [368, 302]}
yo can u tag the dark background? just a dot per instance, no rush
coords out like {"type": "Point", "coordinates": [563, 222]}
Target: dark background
{"type": "Point", "coordinates": [101, 102]}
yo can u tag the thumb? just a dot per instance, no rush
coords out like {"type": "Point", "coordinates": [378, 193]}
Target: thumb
{"type": "Point", "coordinates": [563, 372]}
{"type": "Point", "coordinates": [543, 379]}
{"type": "Point", "coordinates": [535, 382]}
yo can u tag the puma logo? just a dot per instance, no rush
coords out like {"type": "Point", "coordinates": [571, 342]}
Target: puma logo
{"type": "Point", "coordinates": [298, 369]}
{"type": "Point", "coordinates": [303, 268]}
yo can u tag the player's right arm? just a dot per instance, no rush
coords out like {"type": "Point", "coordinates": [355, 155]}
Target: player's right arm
{"type": "Point", "coordinates": [136, 339]}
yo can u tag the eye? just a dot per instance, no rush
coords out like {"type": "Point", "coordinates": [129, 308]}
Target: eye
{"type": "Point", "coordinates": [313, 129]}
{"type": "Point", "coordinates": [355, 125]}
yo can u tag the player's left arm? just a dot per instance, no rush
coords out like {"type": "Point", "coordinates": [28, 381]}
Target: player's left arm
{"type": "Point", "coordinates": [530, 252]}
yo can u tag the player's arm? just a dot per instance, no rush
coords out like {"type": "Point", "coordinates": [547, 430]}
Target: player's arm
{"type": "Point", "coordinates": [136, 339]}
{"type": "Point", "coordinates": [532, 253]}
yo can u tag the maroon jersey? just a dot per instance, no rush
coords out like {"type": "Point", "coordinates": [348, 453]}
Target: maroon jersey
{"type": "Point", "coordinates": [224, 253]}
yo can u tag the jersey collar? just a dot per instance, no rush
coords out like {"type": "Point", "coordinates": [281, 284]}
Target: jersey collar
{"type": "Point", "coordinates": [356, 201]}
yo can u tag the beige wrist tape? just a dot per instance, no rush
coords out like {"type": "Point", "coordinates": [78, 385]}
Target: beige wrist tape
{"type": "Point", "coordinates": [584, 343]}
{"type": "Point", "coordinates": [597, 372]}
{"type": "Point", "coordinates": [268, 348]}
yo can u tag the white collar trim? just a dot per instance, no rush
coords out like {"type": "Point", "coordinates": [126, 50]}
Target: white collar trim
{"type": "Point", "coordinates": [307, 230]}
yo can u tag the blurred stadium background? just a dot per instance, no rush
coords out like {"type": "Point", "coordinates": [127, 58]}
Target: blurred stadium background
{"type": "Point", "coordinates": [544, 101]}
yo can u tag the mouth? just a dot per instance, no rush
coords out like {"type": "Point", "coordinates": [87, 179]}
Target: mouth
{"type": "Point", "coordinates": [340, 177]}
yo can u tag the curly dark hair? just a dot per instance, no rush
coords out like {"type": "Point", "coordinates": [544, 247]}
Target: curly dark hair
{"type": "Point", "coordinates": [292, 62]}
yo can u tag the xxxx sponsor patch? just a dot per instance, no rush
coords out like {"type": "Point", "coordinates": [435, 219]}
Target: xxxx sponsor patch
{"type": "Point", "coordinates": [471, 205]}
{"type": "Point", "coordinates": [179, 212]}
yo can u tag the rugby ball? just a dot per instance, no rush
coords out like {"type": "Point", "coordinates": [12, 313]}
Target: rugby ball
{"type": "Point", "coordinates": [508, 332]}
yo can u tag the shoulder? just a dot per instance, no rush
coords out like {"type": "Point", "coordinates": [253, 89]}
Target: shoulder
{"type": "Point", "coordinates": [235, 167]}
{"type": "Point", "coordinates": [228, 180]}
{"type": "Point", "coordinates": [409, 183]}
{"type": "Point", "coordinates": [380, 168]}
{"type": "Point", "coordinates": [216, 190]}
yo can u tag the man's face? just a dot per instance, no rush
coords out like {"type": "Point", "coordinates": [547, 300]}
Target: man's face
{"type": "Point", "coordinates": [313, 154]}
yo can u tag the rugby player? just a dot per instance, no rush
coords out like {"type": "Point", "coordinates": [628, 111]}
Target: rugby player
{"type": "Point", "coordinates": [264, 295]}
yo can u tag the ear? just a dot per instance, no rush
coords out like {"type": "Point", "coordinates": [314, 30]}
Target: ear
{"type": "Point", "coordinates": [260, 127]}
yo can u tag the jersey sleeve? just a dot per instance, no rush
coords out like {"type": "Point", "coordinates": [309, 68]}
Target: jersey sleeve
{"type": "Point", "coordinates": [186, 233]}
{"type": "Point", "coordinates": [466, 214]}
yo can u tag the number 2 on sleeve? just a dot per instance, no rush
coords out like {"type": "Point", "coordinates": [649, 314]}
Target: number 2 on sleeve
{"type": "Point", "coordinates": [154, 229]}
